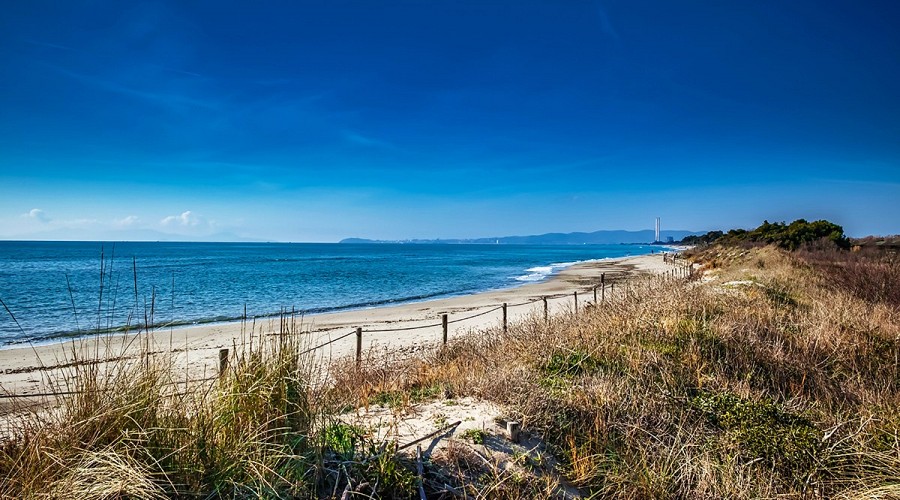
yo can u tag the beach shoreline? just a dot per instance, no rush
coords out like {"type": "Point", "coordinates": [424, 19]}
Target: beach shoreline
{"type": "Point", "coordinates": [54, 295]}
{"type": "Point", "coordinates": [69, 336]}
{"type": "Point", "coordinates": [405, 326]}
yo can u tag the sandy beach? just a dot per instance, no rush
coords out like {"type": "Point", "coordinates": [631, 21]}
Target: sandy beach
{"type": "Point", "coordinates": [195, 349]}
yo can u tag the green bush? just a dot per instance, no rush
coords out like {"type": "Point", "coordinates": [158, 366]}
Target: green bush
{"type": "Point", "coordinates": [789, 236]}
{"type": "Point", "coordinates": [789, 443]}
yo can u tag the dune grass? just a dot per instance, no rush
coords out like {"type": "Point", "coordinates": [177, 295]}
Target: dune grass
{"type": "Point", "coordinates": [765, 379]}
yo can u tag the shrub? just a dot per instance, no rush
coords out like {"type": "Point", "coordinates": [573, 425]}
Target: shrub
{"type": "Point", "coordinates": [788, 236]}
{"type": "Point", "coordinates": [871, 274]}
{"type": "Point", "coordinates": [763, 430]}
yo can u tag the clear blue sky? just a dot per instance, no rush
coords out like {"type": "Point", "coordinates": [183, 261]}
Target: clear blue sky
{"type": "Point", "coordinates": [314, 121]}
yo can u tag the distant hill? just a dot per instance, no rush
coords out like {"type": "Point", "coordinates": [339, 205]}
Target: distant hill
{"type": "Point", "coordinates": [610, 237]}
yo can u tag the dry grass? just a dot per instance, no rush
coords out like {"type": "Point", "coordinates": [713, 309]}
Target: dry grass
{"type": "Point", "coordinates": [782, 385]}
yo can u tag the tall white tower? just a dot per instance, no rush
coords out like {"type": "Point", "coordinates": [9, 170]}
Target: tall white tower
{"type": "Point", "coordinates": [657, 230]}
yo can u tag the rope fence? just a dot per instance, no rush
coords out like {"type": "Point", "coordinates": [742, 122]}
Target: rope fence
{"type": "Point", "coordinates": [311, 349]}
{"type": "Point", "coordinates": [680, 269]}
{"type": "Point", "coordinates": [467, 318]}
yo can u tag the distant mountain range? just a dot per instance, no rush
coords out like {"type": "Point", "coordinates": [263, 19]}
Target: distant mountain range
{"type": "Point", "coordinates": [611, 237]}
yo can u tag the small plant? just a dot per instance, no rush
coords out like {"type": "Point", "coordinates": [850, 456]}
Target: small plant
{"type": "Point", "coordinates": [572, 364]}
{"type": "Point", "coordinates": [780, 295]}
{"type": "Point", "coordinates": [342, 439]}
{"type": "Point", "coordinates": [393, 478]}
{"type": "Point", "coordinates": [400, 398]}
{"type": "Point", "coordinates": [390, 399]}
{"type": "Point", "coordinates": [426, 392]}
{"type": "Point", "coordinates": [475, 436]}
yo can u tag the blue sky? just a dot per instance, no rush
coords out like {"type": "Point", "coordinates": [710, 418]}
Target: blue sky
{"type": "Point", "coordinates": [314, 121]}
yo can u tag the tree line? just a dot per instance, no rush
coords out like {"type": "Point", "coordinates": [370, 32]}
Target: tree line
{"type": "Point", "coordinates": [789, 236]}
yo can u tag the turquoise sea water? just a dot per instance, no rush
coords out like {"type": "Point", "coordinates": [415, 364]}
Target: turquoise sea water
{"type": "Point", "coordinates": [59, 289]}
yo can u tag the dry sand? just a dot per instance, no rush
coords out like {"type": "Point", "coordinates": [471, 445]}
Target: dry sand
{"type": "Point", "coordinates": [466, 431]}
{"type": "Point", "coordinates": [195, 349]}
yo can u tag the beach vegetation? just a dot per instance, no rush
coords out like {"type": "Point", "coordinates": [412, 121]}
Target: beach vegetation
{"type": "Point", "coordinates": [788, 236]}
{"type": "Point", "coordinates": [476, 436]}
{"type": "Point", "coordinates": [776, 375]}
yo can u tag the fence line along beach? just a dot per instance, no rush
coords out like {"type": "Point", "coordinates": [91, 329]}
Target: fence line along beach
{"type": "Point", "coordinates": [408, 326]}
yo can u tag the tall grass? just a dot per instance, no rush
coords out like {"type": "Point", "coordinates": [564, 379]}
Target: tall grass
{"type": "Point", "coordinates": [783, 386]}
{"type": "Point", "coordinates": [778, 384]}
{"type": "Point", "coordinates": [263, 429]}
{"type": "Point", "coordinates": [871, 273]}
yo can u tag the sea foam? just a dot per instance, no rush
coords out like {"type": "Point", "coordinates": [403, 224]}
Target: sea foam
{"type": "Point", "coordinates": [539, 273]}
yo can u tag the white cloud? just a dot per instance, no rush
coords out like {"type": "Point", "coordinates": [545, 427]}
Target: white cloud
{"type": "Point", "coordinates": [38, 215]}
{"type": "Point", "coordinates": [186, 219]}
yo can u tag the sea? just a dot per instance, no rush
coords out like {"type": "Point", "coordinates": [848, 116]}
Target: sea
{"type": "Point", "coordinates": [52, 291]}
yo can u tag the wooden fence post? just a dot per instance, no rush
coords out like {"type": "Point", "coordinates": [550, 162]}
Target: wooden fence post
{"type": "Point", "coordinates": [504, 318]}
{"type": "Point", "coordinates": [603, 287]}
{"type": "Point", "coordinates": [420, 474]}
{"type": "Point", "coordinates": [513, 428]}
{"type": "Point", "coordinates": [223, 362]}
{"type": "Point", "coordinates": [358, 345]}
{"type": "Point", "coordinates": [546, 310]}
{"type": "Point", "coordinates": [444, 327]}
{"type": "Point", "coordinates": [576, 301]}
{"type": "Point", "coordinates": [595, 295]}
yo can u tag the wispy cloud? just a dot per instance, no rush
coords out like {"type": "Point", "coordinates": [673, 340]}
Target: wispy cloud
{"type": "Point", "coordinates": [103, 55]}
{"type": "Point", "coordinates": [606, 25]}
{"type": "Point", "coordinates": [274, 82]}
{"type": "Point", "coordinates": [179, 71]}
{"type": "Point", "coordinates": [129, 221]}
{"type": "Point", "coordinates": [83, 222]}
{"type": "Point", "coordinates": [364, 140]}
{"type": "Point", "coordinates": [169, 100]}
{"type": "Point", "coordinates": [52, 45]}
